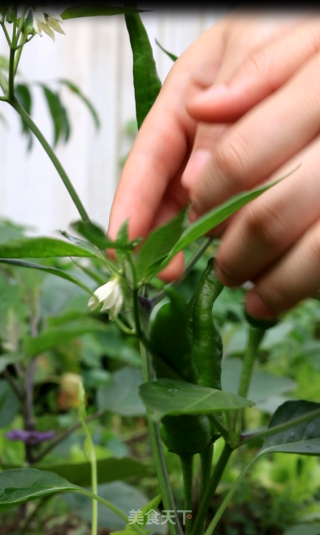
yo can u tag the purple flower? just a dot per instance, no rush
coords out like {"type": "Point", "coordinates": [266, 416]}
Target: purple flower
{"type": "Point", "coordinates": [30, 437]}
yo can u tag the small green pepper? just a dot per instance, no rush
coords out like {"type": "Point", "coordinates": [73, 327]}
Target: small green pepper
{"type": "Point", "coordinates": [170, 338]}
{"type": "Point", "coordinates": [206, 339]}
{"type": "Point", "coordinates": [187, 434]}
{"type": "Point", "coordinates": [169, 335]}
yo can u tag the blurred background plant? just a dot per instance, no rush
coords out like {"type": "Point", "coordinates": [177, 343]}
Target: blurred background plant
{"type": "Point", "coordinates": [68, 344]}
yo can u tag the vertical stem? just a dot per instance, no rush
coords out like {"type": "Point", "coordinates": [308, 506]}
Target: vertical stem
{"type": "Point", "coordinates": [206, 457]}
{"type": "Point", "coordinates": [94, 485]}
{"type": "Point", "coordinates": [232, 438]}
{"type": "Point", "coordinates": [11, 64]}
{"type": "Point", "coordinates": [255, 337]}
{"type": "Point", "coordinates": [211, 488]}
{"type": "Point", "coordinates": [187, 473]}
{"type": "Point", "coordinates": [158, 453]}
{"type": "Point", "coordinates": [206, 462]}
{"type": "Point", "coordinates": [72, 192]}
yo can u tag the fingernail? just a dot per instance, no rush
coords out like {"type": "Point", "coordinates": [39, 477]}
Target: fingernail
{"type": "Point", "coordinates": [195, 166]}
{"type": "Point", "coordinates": [257, 308]}
{"type": "Point", "coordinates": [212, 93]}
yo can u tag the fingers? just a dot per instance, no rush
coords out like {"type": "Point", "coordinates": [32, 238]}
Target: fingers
{"type": "Point", "coordinates": [295, 277]}
{"type": "Point", "coordinates": [268, 226]}
{"type": "Point", "coordinates": [164, 139]}
{"type": "Point", "coordinates": [264, 70]}
{"type": "Point", "coordinates": [260, 142]}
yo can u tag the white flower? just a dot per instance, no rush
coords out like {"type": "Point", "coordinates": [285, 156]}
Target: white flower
{"type": "Point", "coordinates": [43, 20]}
{"type": "Point", "coordinates": [110, 295]}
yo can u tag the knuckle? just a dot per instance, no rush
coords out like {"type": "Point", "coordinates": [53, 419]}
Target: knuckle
{"type": "Point", "coordinates": [230, 164]}
{"type": "Point", "coordinates": [263, 224]}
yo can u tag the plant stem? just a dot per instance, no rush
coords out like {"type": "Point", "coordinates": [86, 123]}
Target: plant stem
{"type": "Point", "coordinates": [11, 73]}
{"type": "Point", "coordinates": [112, 508]}
{"type": "Point", "coordinates": [94, 485]}
{"type": "Point", "coordinates": [211, 488]}
{"type": "Point", "coordinates": [72, 192]}
{"type": "Point", "coordinates": [124, 328]}
{"type": "Point", "coordinates": [232, 438]}
{"type": "Point", "coordinates": [255, 337]}
{"type": "Point", "coordinates": [206, 462]}
{"type": "Point", "coordinates": [187, 473]}
{"type": "Point", "coordinates": [6, 33]}
{"type": "Point", "coordinates": [215, 421]}
{"type": "Point", "coordinates": [55, 442]}
{"type": "Point", "coordinates": [281, 427]}
{"type": "Point", "coordinates": [157, 449]}
{"type": "Point", "coordinates": [227, 499]}
{"type": "Point", "coordinates": [41, 503]}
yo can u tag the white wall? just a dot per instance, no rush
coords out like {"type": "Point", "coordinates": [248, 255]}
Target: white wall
{"type": "Point", "coordinates": [96, 55]}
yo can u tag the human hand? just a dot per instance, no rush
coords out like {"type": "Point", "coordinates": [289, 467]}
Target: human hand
{"type": "Point", "coordinates": [274, 241]}
{"type": "Point", "coordinates": [150, 190]}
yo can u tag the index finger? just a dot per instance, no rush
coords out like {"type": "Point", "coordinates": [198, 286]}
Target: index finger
{"type": "Point", "coordinates": [164, 140]}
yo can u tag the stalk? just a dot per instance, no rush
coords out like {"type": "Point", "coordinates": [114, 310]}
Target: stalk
{"type": "Point", "coordinates": [187, 473]}
{"type": "Point", "coordinates": [211, 488]}
{"type": "Point", "coordinates": [35, 130]}
{"type": "Point", "coordinates": [255, 337]}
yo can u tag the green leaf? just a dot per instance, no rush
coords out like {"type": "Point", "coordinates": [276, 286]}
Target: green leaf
{"type": "Point", "coordinates": [213, 218]}
{"type": "Point", "coordinates": [42, 248]}
{"type": "Point", "coordinates": [94, 10]}
{"type": "Point", "coordinates": [121, 394]}
{"type": "Point", "coordinates": [147, 84]}
{"type": "Point", "coordinates": [264, 384]}
{"type": "Point", "coordinates": [158, 244]}
{"type": "Point", "coordinates": [84, 99]}
{"type": "Point", "coordinates": [23, 95]}
{"type": "Point", "coordinates": [97, 236]}
{"type": "Point", "coordinates": [109, 469]}
{"type": "Point", "coordinates": [25, 484]}
{"type": "Point", "coordinates": [171, 56]}
{"type": "Point", "coordinates": [303, 438]}
{"type": "Point", "coordinates": [53, 271]}
{"type": "Point", "coordinates": [122, 237]}
{"type": "Point", "coordinates": [58, 114]}
{"type": "Point", "coordinates": [171, 397]}
{"type": "Point", "coordinates": [54, 337]}
{"type": "Point", "coordinates": [304, 529]}
{"type": "Point", "coordinates": [82, 243]}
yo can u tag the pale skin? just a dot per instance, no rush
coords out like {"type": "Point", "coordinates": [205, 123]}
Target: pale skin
{"type": "Point", "coordinates": [240, 107]}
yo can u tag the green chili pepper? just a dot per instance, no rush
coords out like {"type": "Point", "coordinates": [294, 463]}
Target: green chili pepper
{"type": "Point", "coordinates": [206, 339]}
{"type": "Point", "coordinates": [187, 434]}
{"type": "Point", "coordinates": [169, 335]}
{"type": "Point", "coordinates": [170, 338]}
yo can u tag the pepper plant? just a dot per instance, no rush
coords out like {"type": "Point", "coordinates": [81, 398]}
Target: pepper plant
{"type": "Point", "coordinates": [181, 347]}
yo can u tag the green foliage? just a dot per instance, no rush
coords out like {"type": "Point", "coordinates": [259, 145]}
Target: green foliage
{"type": "Point", "coordinates": [157, 245]}
{"type": "Point", "coordinates": [303, 438]}
{"type": "Point", "coordinates": [22, 485]}
{"type": "Point", "coordinates": [146, 81]}
{"type": "Point", "coordinates": [178, 397]}
{"type": "Point", "coordinates": [94, 10]}
{"type": "Point", "coordinates": [121, 394]}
